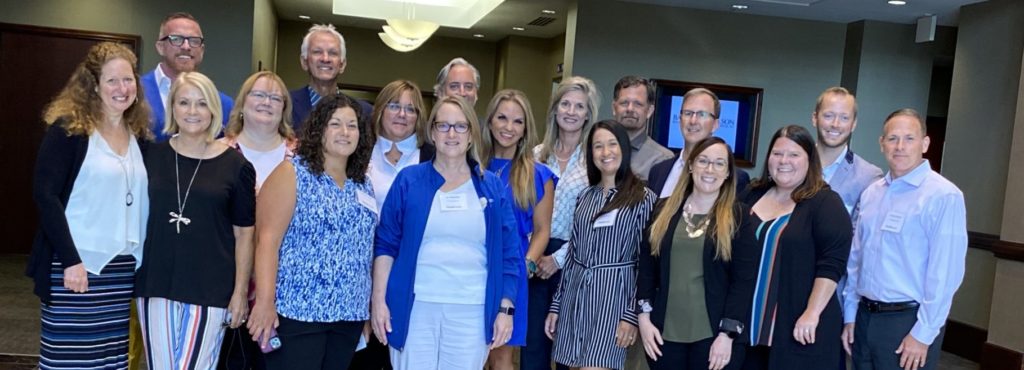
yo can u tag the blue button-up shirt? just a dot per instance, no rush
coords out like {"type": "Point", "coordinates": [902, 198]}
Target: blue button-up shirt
{"type": "Point", "coordinates": [910, 244]}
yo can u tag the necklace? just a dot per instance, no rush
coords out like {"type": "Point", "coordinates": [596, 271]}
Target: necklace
{"type": "Point", "coordinates": [694, 230]}
{"type": "Point", "coordinates": [502, 169]}
{"type": "Point", "coordinates": [179, 218]}
{"type": "Point", "coordinates": [129, 177]}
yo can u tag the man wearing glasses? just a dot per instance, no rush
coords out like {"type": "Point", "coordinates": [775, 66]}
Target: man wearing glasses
{"type": "Point", "coordinates": [633, 106]}
{"type": "Point", "coordinates": [323, 56]}
{"type": "Point", "coordinates": [698, 120]}
{"type": "Point", "coordinates": [458, 78]}
{"type": "Point", "coordinates": [181, 46]}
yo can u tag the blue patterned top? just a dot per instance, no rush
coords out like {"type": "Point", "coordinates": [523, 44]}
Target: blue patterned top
{"type": "Point", "coordinates": [323, 272]}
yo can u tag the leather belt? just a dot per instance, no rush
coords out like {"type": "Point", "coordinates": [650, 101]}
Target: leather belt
{"type": "Point", "coordinates": [876, 306]}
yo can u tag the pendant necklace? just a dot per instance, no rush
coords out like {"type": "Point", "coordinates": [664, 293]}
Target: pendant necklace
{"type": "Point", "coordinates": [502, 169]}
{"type": "Point", "coordinates": [694, 230]}
{"type": "Point", "coordinates": [129, 177]}
{"type": "Point", "coordinates": [179, 218]}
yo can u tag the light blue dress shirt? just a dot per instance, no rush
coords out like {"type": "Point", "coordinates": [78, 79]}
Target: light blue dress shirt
{"type": "Point", "coordinates": [909, 244]}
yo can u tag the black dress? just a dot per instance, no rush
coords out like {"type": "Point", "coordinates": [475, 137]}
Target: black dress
{"type": "Point", "coordinates": [814, 244]}
{"type": "Point", "coordinates": [197, 265]}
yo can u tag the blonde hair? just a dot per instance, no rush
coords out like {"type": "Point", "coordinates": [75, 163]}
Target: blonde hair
{"type": "Point", "coordinates": [574, 83]}
{"type": "Point", "coordinates": [392, 92]}
{"type": "Point", "coordinates": [474, 125]}
{"type": "Point", "coordinates": [522, 175]}
{"type": "Point", "coordinates": [722, 211]}
{"type": "Point", "coordinates": [209, 92]}
{"type": "Point", "coordinates": [79, 102]}
{"type": "Point", "coordinates": [236, 121]}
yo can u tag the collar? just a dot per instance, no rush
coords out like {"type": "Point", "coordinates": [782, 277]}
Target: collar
{"type": "Point", "coordinates": [638, 142]}
{"type": "Point", "coordinates": [915, 177]}
{"type": "Point", "coordinates": [405, 146]}
{"type": "Point", "coordinates": [160, 76]}
{"type": "Point", "coordinates": [846, 155]}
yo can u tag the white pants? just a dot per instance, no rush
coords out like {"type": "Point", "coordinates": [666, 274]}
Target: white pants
{"type": "Point", "coordinates": [180, 335]}
{"type": "Point", "coordinates": [443, 336]}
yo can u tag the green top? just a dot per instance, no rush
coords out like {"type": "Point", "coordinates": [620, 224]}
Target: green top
{"type": "Point", "coordinates": [686, 316]}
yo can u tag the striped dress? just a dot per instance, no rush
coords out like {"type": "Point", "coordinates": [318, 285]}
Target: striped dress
{"type": "Point", "coordinates": [599, 282]}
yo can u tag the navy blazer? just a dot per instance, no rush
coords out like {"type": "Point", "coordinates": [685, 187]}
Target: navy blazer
{"type": "Point", "coordinates": [152, 93]}
{"type": "Point", "coordinates": [852, 177]}
{"type": "Point", "coordinates": [301, 107]}
{"type": "Point", "coordinates": [659, 175]}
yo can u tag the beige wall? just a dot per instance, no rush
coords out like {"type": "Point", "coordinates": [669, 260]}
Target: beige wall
{"type": "Point", "coordinates": [525, 64]}
{"type": "Point", "coordinates": [973, 301]}
{"type": "Point", "coordinates": [264, 36]}
{"type": "Point", "coordinates": [371, 63]}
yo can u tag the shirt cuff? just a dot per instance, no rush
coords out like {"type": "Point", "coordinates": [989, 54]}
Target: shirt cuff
{"type": "Point", "coordinates": [923, 333]}
{"type": "Point", "coordinates": [560, 255]}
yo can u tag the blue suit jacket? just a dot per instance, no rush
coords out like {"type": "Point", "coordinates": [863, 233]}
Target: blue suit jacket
{"type": "Point", "coordinates": [152, 93]}
{"type": "Point", "coordinates": [301, 107]}
{"type": "Point", "coordinates": [852, 177]}
{"type": "Point", "coordinates": [659, 175]}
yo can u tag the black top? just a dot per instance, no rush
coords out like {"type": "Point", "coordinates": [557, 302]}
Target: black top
{"type": "Point", "coordinates": [815, 244]}
{"type": "Point", "coordinates": [196, 266]}
{"type": "Point", "coordinates": [659, 175]}
{"type": "Point", "coordinates": [728, 285]}
{"type": "Point", "coordinates": [57, 165]}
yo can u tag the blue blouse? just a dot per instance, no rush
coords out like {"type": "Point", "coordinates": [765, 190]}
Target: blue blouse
{"type": "Point", "coordinates": [323, 272]}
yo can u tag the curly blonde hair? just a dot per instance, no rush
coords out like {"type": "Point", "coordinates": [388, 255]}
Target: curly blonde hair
{"type": "Point", "coordinates": [79, 104]}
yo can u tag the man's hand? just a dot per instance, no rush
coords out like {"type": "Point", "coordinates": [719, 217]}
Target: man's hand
{"type": "Point", "coordinates": [913, 354]}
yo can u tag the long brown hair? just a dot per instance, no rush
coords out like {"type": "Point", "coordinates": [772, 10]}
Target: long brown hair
{"type": "Point", "coordinates": [813, 182]}
{"type": "Point", "coordinates": [392, 92]}
{"type": "Point", "coordinates": [630, 187]}
{"type": "Point", "coordinates": [79, 102]}
{"type": "Point", "coordinates": [522, 176]}
{"type": "Point", "coordinates": [574, 83]}
{"type": "Point", "coordinates": [722, 211]}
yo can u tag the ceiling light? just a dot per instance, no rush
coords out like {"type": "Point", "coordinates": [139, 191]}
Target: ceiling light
{"type": "Point", "coordinates": [739, 7]}
{"type": "Point", "coordinates": [306, 17]}
{"type": "Point", "coordinates": [897, 2]}
{"type": "Point", "coordinates": [478, 35]}
{"type": "Point", "coordinates": [547, 11]}
{"type": "Point", "coordinates": [402, 45]}
{"type": "Point", "coordinates": [413, 29]}
{"type": "Point", "coordinates": [517, 28]}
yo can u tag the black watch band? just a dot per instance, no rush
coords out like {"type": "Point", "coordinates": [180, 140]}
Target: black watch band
{"type": "Point", "coordinates": [507, 310]}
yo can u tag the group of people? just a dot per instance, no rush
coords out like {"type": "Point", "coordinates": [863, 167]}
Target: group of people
{"type": "Point", "coordinates": [319, 224]}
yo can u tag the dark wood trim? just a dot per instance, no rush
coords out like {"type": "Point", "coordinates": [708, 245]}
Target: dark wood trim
{"type": "Point", "coordinates": [996, 357]}
{"type": "Point", "coordinates": [964, 340]}
{"type": "Point", "coordinates": [134, 41]}
{"type": "Point", "coordinates": [1001, 248]}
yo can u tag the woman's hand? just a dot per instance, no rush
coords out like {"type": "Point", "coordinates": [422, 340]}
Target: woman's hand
{"type": "Point", "coordinates": [238, 307]}
{"type": "Point", "coordinates": [380, 318]}
{"type": "Point", "coordinates": [502, 330]}
{"type": "Point", "coordinates": [76, 279]}
{"type": "Point", "coordinates": [721, 352]}
{"type": "Point", "coordinates": [625, 335]}
{"type": "Point", "coordinates": [546, 267]}
{"type": "Point", "coordinates": [805, 328]}
{"type": "Point", "coordinates": [262, 320]}
{"type": "Point", "coordinates": [650, 336]}
{"type": "Point", "coordinates": [549, 325]}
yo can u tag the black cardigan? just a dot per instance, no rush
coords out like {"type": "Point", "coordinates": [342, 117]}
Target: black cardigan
{"type": "Point", "coordinates": [57, 165]}
{"type": "Point", "coordinates": [728, 285]}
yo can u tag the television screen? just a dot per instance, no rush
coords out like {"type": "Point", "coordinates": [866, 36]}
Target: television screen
{"type": "Point", "coordinates": [738, 121]}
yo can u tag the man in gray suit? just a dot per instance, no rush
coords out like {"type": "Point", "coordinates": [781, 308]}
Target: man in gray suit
{"type": "Point", "coordinates": [835, 117]}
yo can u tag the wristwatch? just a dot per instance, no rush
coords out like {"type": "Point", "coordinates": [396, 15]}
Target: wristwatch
{"type": "Point", "coordinates": [507, 310]}
{"type": "Point", "coordinates": [730, 327]}
{"type": "Point", "coordinates": [645, 306]}
{"type": "Point", "coordinates": [531, 266]}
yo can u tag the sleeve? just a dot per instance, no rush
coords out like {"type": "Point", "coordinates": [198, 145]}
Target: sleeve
{"type": "Point", "coordinates": [647, 269]}
{"type": "Point", "coordinates": [556, 299]}
{"type": "Point", "coordinates": [243, 197]}
{"type": "Point", "coordinates": [389, 229]}
{"type": "Point", "coordinates": [54, 165]}
{"type": "Point", "coordinates": [850, 297]}
{"type": "Point", "coordinates": [512, 260]}
{"type": "Point", "coordinates": [946, 225]}
{"type": "Point", "coordinates": [645, 208]}
{"type": "Point", "coordinates": [742, 273]}
{"type": "Point", "coordinates": [830, 225]}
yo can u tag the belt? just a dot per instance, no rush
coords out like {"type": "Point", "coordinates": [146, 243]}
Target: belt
{"type": "Point", "coordinates": [876, 306]}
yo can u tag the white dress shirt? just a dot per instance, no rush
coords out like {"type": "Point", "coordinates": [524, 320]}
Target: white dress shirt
{"type": "Point", "coordinates": [673, 177]}
{"type": "Point", "coordinates": [382, 173]}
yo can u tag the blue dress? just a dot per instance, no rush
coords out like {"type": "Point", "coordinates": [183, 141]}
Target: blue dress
{"type": "Point", "coordinates": [524, 219]}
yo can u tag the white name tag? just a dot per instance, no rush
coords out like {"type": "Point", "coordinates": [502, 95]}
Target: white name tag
{"type": "Point", "coordinates": [893, 222]}
{"type": "Point", "coordinates": [607, 219]}
{"type": "Point", "coordinates": [454, 202]}
{"type": "Point", "coordinates": [366, 200]}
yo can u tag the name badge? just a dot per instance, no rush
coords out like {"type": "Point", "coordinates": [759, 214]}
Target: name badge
{"type": "Point", "coordinates": [893, 222]}
{"type": "Point", "coordinates": [607, 219]}
{"type": "Point", "coordinates": [367, 201]}
{"type": "Point", "coordinates": [454, 202]}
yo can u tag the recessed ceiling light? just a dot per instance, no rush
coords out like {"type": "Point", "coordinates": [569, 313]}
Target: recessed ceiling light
{"type": "Point", "coordinates": [897, 2]}
{"type": "Point", "coordinates": [518, 28]}
{"type": "Point", "coordinates": [478, 35]}
{"type": "Point", "coordinates": [547, 11]}
{"type": "Point", "coordinates": [739, 6]}
{"type": "Point", "coordinates": [303, 17]}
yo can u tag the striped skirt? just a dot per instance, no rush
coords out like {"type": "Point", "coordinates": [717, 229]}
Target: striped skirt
{"type": "Point", "coordinates": [88, 330]}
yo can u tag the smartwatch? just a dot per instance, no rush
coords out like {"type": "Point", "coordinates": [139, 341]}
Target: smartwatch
{"type": "Point", "coordinates": [507, 310]}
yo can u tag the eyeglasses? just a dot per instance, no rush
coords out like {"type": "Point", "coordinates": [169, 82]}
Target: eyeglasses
{"type": "Point", "coordinates": [701, 115]}
{"type": "Point", "coordinates": [718, 166]}
{"type": "Point", "coordinates": [460, 127]}
{"type": "Point", "coordinates": [179, 40]}
{"type": "Point", "coordinates": [262, 95]}
{"type": "Point", "coordinates": [395, 108]}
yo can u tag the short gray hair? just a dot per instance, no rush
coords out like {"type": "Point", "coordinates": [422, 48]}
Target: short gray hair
{"type": "Point", "coordinates": [442, 77]}
{"type": "Point", "coordinates": [329, 28]}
